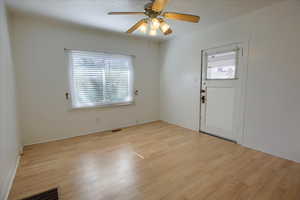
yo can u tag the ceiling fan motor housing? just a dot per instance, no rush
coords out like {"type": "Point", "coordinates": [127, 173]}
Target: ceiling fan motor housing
{"type": "Point", "coordinates": [149, 12]}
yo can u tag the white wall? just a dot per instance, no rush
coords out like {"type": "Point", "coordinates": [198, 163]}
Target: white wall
{"type": "Point", "coordinates": [272, 114]}
{"type": "Point", "coordinates": [43, 79]}
{"type": "Point", "coordinates": [9, 140]}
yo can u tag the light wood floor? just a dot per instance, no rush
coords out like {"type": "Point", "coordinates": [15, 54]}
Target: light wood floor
{"type": "Point", "coordinates": [151, 162]}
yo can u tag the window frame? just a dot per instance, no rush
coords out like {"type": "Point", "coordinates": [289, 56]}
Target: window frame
{"type": "Point", "coordinates": [219, 50]}
{"type": "Point", "coordinates": [70, 93]}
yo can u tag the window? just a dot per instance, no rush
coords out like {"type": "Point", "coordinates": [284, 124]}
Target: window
{"type": "Point", "coordinates": [100, 79]}
{"type": "Point", "coordinates": [222, 65]}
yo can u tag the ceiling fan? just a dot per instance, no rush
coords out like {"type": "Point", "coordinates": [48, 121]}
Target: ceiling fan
{"type": "Point", "coordinates": [155, 18]}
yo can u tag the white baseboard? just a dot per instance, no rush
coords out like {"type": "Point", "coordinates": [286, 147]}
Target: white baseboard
{"type": "Point", "coordinates": [12, 177]}
{"type": "Point", "coordinates": [90, 132]}
{"type": "Point", "coordinates": [272, 153]}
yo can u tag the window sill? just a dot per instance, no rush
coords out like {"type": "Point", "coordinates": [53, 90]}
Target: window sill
{"type": "Point", "coordinates": [103, 106]}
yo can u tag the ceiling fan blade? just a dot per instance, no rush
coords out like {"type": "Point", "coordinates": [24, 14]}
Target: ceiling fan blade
{"type": "Point", "coordinates": [182, 17]}
{"type": "Point", "coordinates": [126, 13]}
{"type": "Point", "coordinates": [137, 25]}
{"type": "Point", "coordinates": [159, 5]}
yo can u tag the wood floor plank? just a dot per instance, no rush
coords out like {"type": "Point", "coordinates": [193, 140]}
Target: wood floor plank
{"type": "Point", "coordinates": [154, 161]}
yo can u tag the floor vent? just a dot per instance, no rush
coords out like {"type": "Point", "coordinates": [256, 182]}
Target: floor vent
{"type": "Point", "coordinates": [116, 130]}
{"type": "Point", "coordinates": [48, 195]}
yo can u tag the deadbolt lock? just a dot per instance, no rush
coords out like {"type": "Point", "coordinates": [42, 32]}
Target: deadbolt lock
{"type": "Point", "coordinates": [203, 99]}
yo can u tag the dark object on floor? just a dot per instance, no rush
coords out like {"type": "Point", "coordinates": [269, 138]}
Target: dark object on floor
{"type": "Point", "coordinates": [48, 195]}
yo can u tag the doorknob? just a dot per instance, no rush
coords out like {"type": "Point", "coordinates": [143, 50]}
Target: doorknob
{"type": "Point", "coordinates": [203, 99]}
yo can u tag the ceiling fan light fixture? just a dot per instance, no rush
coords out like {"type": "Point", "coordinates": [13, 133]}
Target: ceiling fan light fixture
{"type": "Point", "coordinates": [153, 32]}
{"type": "Point", "coordinates": [143, 27]}
{"type": "Point", "coordinates": [168, 32]}
{"type": "Point", "coordinates": [164, 27]}
{"type": "Point", "coordinates": [155, 23]}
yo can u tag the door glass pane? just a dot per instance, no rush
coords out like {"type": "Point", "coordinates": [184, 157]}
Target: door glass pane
{"type": "Point", "coordinates": [222, 65]}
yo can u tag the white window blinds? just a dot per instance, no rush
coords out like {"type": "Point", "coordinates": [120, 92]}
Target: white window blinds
{"type": "Point", "coordinates": [100, 79]}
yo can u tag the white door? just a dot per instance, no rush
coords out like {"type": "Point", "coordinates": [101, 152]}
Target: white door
{"type": "Point", "coordinates": [221, 91]}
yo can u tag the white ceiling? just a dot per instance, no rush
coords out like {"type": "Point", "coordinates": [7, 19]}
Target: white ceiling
{"type": "Point", "coordinates": [94, 12]}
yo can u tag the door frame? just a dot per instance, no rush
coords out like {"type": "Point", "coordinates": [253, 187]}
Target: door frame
{"type": "Point", "coordinates": [244, 45]}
